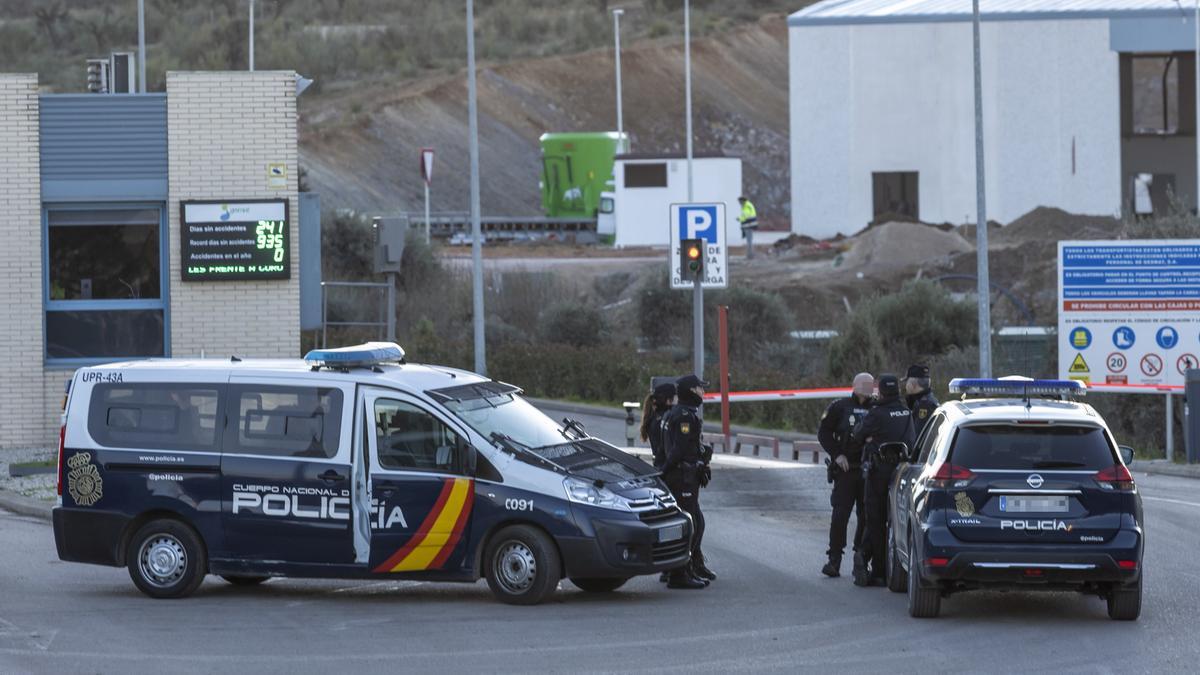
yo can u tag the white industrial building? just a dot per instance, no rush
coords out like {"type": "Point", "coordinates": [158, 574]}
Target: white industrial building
{"type": "Point", "coordinates": [1088, 105]}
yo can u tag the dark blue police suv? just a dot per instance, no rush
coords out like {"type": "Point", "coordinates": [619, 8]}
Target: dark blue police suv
{"type": "Point", "coordinates": [1016, 487]}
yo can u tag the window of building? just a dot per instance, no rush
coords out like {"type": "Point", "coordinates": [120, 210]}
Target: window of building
{"type": "Point", "coordinates": [104, 284]}
{"type": "Point", "coordinates": [411, 439]}
{"type": "Point", "coordinates": [646, 175]}
{"type": "Point", "coordinates": [1155, 95]}
{"type": "Point", "coordinates": [894, 193]}
{"type": "Point", "coordinates": [155, 416]}
{"type": "Point", "coordinates": [285, 421]}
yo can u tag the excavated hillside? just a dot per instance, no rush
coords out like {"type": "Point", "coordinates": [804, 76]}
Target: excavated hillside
{"type": "Point", "coordinates": [360, 148]}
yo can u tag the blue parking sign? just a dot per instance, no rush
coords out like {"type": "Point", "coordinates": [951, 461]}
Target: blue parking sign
{"type": "Point", "coordinates": [699, 222]}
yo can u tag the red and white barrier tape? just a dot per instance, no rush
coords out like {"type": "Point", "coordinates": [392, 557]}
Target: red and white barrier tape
{"type": "Point", "coordinates": [838, 392]}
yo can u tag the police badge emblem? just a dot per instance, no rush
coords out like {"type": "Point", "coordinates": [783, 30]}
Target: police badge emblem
{"type": "Point", "coordinates": [685, 427]}
{"type": "Point", "coordinates": [851, 420]}
{"type": "Point", "coordinates": [83, 480]}
{"type": "Point", "coordinates": [923, 413]}
{"type": "Point", "coordinates": [966, 508]}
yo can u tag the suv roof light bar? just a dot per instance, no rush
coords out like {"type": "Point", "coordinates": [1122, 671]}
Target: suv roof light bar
{"type": "Point", "coordinates": [366, 355]}
{"type": "Point", "coordinates": [1017, 387]}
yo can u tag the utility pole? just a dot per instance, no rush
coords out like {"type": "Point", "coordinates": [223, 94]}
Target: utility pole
{"type": "Point", "coordinates": [476, 228]}
{"type": "Point", "coordinates": [697, 284]}
{"type": "Point", "coordinates": [617, 57]}
{"type": "Point", "coordinates": [251, 35]}
{"type": "Point", "coordinates": [1196, 121]}
{"type": "Point", "coordinates": [142, 46]}
{"type": "Point", "coordinates": [981, 237]}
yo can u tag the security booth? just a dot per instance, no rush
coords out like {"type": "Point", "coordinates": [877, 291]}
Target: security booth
{"type": "Point", "coordinates": [145, 225]}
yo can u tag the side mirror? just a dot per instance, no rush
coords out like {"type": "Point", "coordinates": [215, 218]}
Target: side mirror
{"type": "Point", "coordinates": [1126, 454]}
{"type": "Point", "coordinates": [893, 452]}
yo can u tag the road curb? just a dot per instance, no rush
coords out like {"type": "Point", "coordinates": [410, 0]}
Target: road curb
{"type": "Point", "coordinates": [25, 506]}
{"type": "Point", "coordinates": [1162, 467]}
{"type": "Point", "coordinates": [619, 414]}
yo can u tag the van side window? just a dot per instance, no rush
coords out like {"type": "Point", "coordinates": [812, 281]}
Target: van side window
{"type": "Point", "coordinates": [284, 421]}
{"type": "Point", "coordinates": [155, 416]}
{"type": "Point", "coordinates": [410, 439]}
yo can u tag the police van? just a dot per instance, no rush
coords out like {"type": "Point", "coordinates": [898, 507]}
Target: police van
{"type": "Point", "coordinates": [351, 463]}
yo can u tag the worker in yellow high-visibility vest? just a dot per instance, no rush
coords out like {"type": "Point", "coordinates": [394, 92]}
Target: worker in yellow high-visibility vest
{"type": "Point", "coordinates": [749, 221]}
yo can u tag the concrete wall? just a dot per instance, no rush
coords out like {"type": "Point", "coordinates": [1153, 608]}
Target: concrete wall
{"type": "Point", "coordinates": [899, 97]}
{"type": "Point", "coordinates": [223, 129]}
{"type": "Point", "coordinates": [26, 416]}
{"type": "Point", "coordinates": [642, 214]}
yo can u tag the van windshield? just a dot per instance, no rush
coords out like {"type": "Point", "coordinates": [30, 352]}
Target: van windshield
{"type": "Point", "coordinates": [1005, 447]}
{"type": "Point", "coordinates": [510, 415]}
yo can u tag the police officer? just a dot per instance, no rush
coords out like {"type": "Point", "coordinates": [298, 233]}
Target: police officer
{"type": "Point", "coordinates": [684, 468]}
{"type": "Point", "coordinates": [887, 422]}
{"type": "Point", "coordinates": [657, 404]}
{"type": "Point", "coordinates": [845, 473]}
{"type": "Point", "coordinates": [919, 398]}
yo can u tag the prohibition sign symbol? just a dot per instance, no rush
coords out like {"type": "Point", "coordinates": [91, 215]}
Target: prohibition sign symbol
{"type": "Point", "coordinates": [1186, 363]}
{"type": "Point", "coordinates": [1117, 362]}
{"type": "Point", "coordinates": [1152, 364]}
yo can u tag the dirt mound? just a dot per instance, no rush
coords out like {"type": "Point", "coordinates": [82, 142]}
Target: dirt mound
{"type": "Point", "coordinates": [901, 245]}
{"type": "Point", "coordinates": [359, 146]}
{"type": "Point", "coordinates": [1052, 225]}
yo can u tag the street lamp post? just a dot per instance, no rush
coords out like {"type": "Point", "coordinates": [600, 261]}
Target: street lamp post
{"type": "Point", "coordinates": [981, 238]}
{"type": "Point", "coordinates": [251, 35]}
{"type": "Point", "coordinates": [697, 284]}
{"type": "Point", "coordinates": [617, 58]}
{"type": "Point", "coordinates": [476, 228]}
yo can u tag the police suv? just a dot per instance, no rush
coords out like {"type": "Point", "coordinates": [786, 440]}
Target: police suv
{"type": "Point", "coordinates": [1016, 490]}
{"type": "Point", "coordinates": [352, 464]}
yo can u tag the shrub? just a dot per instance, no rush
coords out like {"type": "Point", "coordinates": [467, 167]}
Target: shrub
{"type": "Point", "coordinates": [572, 324]}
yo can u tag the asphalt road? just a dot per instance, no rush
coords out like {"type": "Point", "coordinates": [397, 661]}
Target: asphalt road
{"type": "Point", "coordinates": [769, 610]}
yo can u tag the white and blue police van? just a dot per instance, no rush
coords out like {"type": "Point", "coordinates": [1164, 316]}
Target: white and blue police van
{"type": "Point", "coordinates": [351, 463]}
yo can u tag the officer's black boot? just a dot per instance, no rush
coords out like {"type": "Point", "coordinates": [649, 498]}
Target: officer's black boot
{"type": "Point", "coordinates": [664, 577]}
{"type": "Point", "coordinates": [861, 576]}
{"type": "Point", "coordinates": [701, 570]}
{"type": "Point", "coordinates": [833, 567]}
{"type": "Point", "coordinates": [681, 578]}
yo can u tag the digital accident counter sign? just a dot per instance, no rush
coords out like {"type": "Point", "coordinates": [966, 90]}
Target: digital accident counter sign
{"type": "Point", "coordinates": [234, 240]}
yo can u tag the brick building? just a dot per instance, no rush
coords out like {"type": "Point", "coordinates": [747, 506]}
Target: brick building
{"type": "Point", "coordinates": [99, 264]}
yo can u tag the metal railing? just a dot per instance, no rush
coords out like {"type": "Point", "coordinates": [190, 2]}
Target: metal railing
{"type": "Point", "coordinates": [386, 322]}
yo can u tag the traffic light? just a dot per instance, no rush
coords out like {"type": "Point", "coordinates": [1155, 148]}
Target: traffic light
{"type": "Point", "coordinates": [97, 76]}
{"type": "Point", "coordinates": [691, 259]}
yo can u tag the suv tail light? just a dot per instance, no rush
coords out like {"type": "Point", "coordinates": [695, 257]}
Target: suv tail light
{"type": "Point", "coordinates": [1115, 477]}
{"type": "Point", "coordinates": [62, 437]}
{"type": "Point", "coordinates": [950, 475]}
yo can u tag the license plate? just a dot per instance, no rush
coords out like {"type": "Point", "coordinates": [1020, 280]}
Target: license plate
{"type": "Point", "coordinates": [670, 533]}
{"type": "Point", "coordinates": [1034, 504]}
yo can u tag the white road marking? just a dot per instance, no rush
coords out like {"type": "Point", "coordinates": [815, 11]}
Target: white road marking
{"type": "Point", "coordinates": [1171, 501]}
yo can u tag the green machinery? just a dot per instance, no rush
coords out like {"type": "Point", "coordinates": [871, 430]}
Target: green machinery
{"type": "Point", "coordinates": [576, 168]}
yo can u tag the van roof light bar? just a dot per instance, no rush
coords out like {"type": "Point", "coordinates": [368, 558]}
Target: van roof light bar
{"type": "Point", "coordinates": [1016, 387]}
{"type": "Point", "coordinates": [366, 355]}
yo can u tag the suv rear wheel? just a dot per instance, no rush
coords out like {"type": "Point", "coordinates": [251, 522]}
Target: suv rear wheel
{"type": "Point", "coordinates": [166, 559]}
{"type": "Point", "coordinates": [1125, 602]}
{"type": "Point", "coordinates": [923, 603]}
{"type": "Point", "coordinates": [522, 565]}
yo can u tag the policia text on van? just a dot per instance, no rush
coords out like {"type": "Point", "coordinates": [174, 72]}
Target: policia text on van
{"type": "Point", "coordinates": [349, 464]}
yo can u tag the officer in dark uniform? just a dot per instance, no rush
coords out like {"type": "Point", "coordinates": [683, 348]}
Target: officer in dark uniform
{"type": "Point", "coordinates": [657, 404]}
{"type": "Point", "coordinates": [919, 398]}
{"type": "Point", "coordinates": [837, 424]}
{"type": "Point", "coordinates": [684, 468]}
{"type": "Point", "coordinates": [887, 422]}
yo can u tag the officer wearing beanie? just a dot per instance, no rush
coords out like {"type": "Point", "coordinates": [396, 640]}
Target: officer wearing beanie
{"type": "Point", "coordinates": [889, 421]}
{"type": "Point", "coordinates": [919, 398]}
{"type": "Point", "coordinates": [657, 405]}
{"type": "Point", "coordinates": [684, 468]}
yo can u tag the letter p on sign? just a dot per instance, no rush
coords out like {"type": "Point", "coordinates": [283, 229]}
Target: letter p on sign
{"type": "Point", "coordinates": [699, 222]}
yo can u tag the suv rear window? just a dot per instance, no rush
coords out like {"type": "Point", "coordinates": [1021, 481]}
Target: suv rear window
{"type": "Point", "coordinates": [1035, 447]}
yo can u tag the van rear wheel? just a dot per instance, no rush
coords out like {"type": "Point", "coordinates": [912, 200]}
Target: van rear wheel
{"type": "Point", "coordinates": [243, 581]}
{"type": "Point", "coordinates": [522, 565]}
{"type": "Point", "coordinates": [166, 559]}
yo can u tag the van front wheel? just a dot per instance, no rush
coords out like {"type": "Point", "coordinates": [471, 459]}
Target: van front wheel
{"type": "Point", "coordinates": [522, 565]}
{"type": "Point", "coordinates": [166, 559]}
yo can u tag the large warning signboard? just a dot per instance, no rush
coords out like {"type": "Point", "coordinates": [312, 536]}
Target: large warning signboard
{"type": "Point", "coordinates": [1128, 311]}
